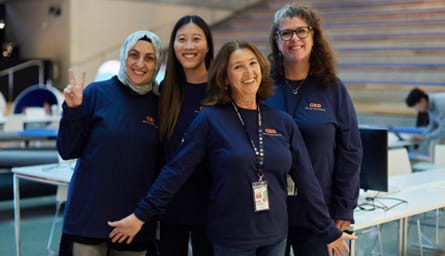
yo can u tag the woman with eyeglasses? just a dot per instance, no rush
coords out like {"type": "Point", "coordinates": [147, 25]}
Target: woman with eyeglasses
{"type": "Point", "coordinates": [303, 70]}
{"type": "Point", "coordinates": [250, 148]}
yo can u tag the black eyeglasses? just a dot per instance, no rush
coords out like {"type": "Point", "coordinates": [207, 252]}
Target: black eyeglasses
{"type": "Point", "coordinates": [301, 32]}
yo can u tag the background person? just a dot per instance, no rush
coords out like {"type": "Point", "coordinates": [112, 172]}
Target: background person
{"type": "Point", "coordinates": [434, 105]}
{"type": "Point", "coordinates": [303, 70]}
{"type": "Point", "coordinates": [190, 52]}
{"type": "Point", "coordinates": [250, 149]}
{"type": "Point", "coordinates": [111, 128]}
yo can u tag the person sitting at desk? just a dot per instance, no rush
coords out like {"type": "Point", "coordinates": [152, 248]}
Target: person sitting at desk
{"type": "Point", "coordinates": [434, 105]}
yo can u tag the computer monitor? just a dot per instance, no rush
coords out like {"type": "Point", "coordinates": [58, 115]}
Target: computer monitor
{"type": "Point", "coordinates": [374, 167]}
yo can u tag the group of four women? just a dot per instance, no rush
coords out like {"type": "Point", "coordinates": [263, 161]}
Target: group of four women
{"type": "Point", "coordinates": [238, 176]}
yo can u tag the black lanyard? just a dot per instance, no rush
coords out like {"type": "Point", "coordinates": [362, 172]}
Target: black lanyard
{"type": "Point", "coordinates": [259, 151]}
{"type": "Point", "coordinates": [285, 93]}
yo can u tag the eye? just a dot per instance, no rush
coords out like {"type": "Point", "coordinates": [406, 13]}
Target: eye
{"type": "Point", "coordinates": [253, 62]}
{"type": "Point", "coordinates": [150, 58]}
{"type": "Point", "coordinates": [180, 39]}
{"type": "Point", "coordinates": [286, 33]}
{"type": "Point", "coordinates": [301, 30]}
{"type": "Point", "coordinates": [133, 54]}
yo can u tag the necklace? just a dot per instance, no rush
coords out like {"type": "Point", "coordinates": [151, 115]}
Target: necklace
{"type": "Point", "coordinates": [294, 91]}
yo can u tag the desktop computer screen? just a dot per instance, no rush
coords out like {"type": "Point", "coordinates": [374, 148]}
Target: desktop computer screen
{"type": "Point", "coordinates": [374, 166]}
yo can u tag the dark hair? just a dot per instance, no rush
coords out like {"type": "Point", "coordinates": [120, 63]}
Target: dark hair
{"type": "Point", "coordinates": [219, 91]}
{"type": "Point", "coordinates": [415, 96]}
{"type": "Point", "coordinates": [170, 101]}
{"type": "Point", "coordinates": [322, 59]}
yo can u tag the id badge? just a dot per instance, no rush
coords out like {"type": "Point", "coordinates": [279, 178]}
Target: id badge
{"type": "Point", "coordinates": [290, 186]}
{"type": "Point", "coordinates": [260, 196]}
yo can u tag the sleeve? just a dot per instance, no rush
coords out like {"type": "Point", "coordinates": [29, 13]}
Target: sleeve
{"type": "Point", "coordinates": [72, 133]}
{"type": "Point", "coordinates": [429, 127]}
{"type": "Point", "coordinates": [436, 127]}
{"type": "Point", "coordinates": [346, 183]}
{"type": "Point", "coordinates": [309, 188]}
{"type": "Point", "coordinates": [175, 173]}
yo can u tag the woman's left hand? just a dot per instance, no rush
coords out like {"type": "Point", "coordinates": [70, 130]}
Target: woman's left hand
{"type": "Point", "coordinates": [125, 229]}
{"type": "Point", "coordinates": [340, 246]}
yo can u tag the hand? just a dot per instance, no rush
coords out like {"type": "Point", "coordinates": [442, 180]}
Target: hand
{"type": "Point", "coordinates": [125, 229]}
{"type": "Point", "coordinates": [342, 224]}
{"type": "Point", "coordinates": [340, 246]}
{"type": "Point", "coordinates": [418, 137]}
{"type": "Point", "coordinates": [73, 93]}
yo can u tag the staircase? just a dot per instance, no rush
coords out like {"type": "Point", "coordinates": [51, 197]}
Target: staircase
{"type": "Point", "coordinates": [384, 48]}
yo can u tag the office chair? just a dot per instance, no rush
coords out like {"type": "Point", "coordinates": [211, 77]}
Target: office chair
{"type": "Point", "coordinates": [36, 96]}
{"type": "Point", "coordinates": [438, 156]}
{"type": "Point", "coordinates": [398, 162]}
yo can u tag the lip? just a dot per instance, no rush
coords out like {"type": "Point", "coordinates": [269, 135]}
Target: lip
{"type": "Point", "coordinates": [249, 81]}
{"type": "Point", "coordinates": [189, 55]}
{"type": "Point", "coordinates": [296, 47]}
{"type": "Point", "coordinates": [139, 72]}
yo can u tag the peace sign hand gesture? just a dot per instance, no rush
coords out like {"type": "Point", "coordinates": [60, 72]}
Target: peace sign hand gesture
{"type": "Point", "coordinates": [73, 93]}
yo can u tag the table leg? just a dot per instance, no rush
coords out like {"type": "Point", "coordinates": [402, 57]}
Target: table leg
{"type": "Point", "coordinates": [403, 245]}
{"type": "Point", "coordinates": [16, 213]}
{"type": "Point", "coordinates": [352, 248]}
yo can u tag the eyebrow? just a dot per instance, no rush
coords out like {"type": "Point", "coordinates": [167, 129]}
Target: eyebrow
{"type": "Point", "coordinates": [134, 50]}
{"type": "Point", "coordinates": [194, 34]}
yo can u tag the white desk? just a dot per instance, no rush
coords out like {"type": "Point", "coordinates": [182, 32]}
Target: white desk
{"type": "Point", "coordinates": [57, 174]}
{"type": "Point", "coordinates": [423, 191]}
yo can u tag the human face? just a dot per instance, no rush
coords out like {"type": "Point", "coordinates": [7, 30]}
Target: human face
{"type": "Point", "coordinates": [295, 50]}
{"type": "Point", "coordinates": [141, 62]}
{"type": "Point", "coordinates": [190, 47]}
{"type": "Point", "coordinates": [421, 105]}
{"type": "Point", "coordinates": [244, 75]}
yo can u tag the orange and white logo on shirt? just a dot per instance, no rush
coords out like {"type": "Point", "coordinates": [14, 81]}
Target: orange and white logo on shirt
{"type": "Point", "coordinates": [149, 120]}
{"type": "Point", "coordinates": [315, 106]}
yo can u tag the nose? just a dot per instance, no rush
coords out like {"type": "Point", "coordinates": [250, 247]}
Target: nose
{"type": "Point", "coordinates": [188, 44]}
{"type": "Point", "coordinates": [248, 72]}
{"type": "Point", "coordinates": [294, 36]}
{"type": "Point", "coordinates": [140, 61]}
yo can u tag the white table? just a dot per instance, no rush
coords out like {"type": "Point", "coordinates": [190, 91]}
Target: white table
{"type": "Point", "coordinates": [422, 191]}
{"type": "Point", "coordinates": [58, 174]}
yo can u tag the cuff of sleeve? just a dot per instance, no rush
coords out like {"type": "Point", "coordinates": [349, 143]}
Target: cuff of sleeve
{"type": "Point", "coordinates": [344, 214]}
{"type": "Point", "coordinates": [72, 113]}
{"type": "Point", "coordinates": [333, 233]}
{"type": "Point", "coordinates": [142, 215]}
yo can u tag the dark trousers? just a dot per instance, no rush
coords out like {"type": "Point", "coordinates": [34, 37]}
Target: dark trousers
{"type": "Point", "coordinates": [303, 245]}
{"type": "Point", "coordinates": [66, 246]}
{"type": "Point", "coordinates": [174, 240]}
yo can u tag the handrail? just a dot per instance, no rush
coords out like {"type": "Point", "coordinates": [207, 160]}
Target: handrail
{"type": "Point", "coordinates": [10, 72]}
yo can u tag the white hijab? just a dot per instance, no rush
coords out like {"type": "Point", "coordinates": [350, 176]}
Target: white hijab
{"type": "Point", "coordinates": [126, 47]}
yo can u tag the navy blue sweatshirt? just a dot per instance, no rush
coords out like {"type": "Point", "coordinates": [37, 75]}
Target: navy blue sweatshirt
{"type": "Point", "coordinates": [114, 136]}
{"type": "Point", "coordinates": [217, 136]}
{"type": "Point", "coordinates": [328, 124]}
{"type": "Point", "coordinates": [189, 205]}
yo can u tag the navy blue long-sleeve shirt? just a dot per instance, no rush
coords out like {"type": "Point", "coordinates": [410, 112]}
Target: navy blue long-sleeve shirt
{"type": "Point", "coordinates": [189, 205]}
{"type": "Point", "coordinates": [217, 135]}
{"type": "Point", "coordinates": [328, 124]}
{"type": "Point", "coordinates": [114, 136]}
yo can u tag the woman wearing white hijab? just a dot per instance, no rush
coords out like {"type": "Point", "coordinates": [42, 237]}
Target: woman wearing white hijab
{"type": "Point", "coordinates": [111, 127]}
